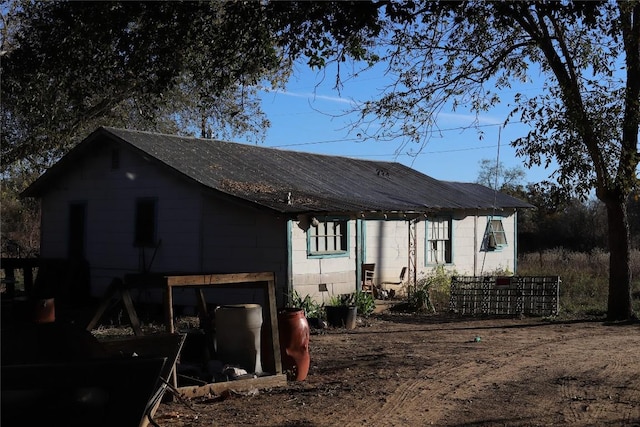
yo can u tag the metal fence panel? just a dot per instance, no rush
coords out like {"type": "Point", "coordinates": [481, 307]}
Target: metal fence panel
{"type": "Point", "coordinates": [494, 295]}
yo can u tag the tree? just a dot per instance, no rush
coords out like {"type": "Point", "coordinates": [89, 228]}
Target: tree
{"type": "Point", "coordinates": [172, 67]}
{"type": "Point", "coordinates": [20, 218]}
{"type": "Point", "coordinates": [498, 177]}
{"type": "Point", "coordinates": [175, 67]}
{"type": "Point", "coordinates": [466, 53]}
{"type": "Point", "coordinates": [440, 53]}
{"type": "Point", "coordinates": [68, 67]}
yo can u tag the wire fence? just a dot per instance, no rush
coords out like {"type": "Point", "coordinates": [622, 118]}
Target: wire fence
{"type": "Point", "coordinates": [517, 295]}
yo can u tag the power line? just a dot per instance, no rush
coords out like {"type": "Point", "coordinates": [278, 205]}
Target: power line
{"type": "Point", "coordinates": [329, 141]}
{"type": "Point", "coordinates": [427, 152]}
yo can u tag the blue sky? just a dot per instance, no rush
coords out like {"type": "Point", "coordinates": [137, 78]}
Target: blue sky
{"type": "Point", "coordinates": [307, 116]}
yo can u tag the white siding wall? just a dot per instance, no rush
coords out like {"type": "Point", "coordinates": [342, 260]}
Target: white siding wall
{"type": "Point", "coordinates": [338, 273]}
{"type": "Point", "coordinates": [110, 199]}
{"type": "Point", "coordinates": [468, 256]}
{"type": "Point", "coordinates": [466, 243]}
{"type": "Point", "coordinates": [202, 233]}
{"type": "Point", "coordinates": [239, 239]}
{"type": "Point", "coordinates": [503, 259]}
{"type": "Point", "coordinates": [387, 245]}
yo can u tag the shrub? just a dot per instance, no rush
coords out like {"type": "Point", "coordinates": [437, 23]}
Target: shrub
{"type": "Point", "coordinates": [309, 306]}
{"type": "Point", "coordinates": [364, 301]}
{"type": "Point", "coordinates": [431, 292]}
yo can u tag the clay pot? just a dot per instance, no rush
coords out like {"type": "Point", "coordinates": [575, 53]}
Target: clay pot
{"type": "Point", "coordinates": [293, 329]}
{"type": "Point", "coordinates": [44, 310]}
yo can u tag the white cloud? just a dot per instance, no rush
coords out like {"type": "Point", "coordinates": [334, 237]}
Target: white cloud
{"type": "Point", "coordinates": [313, 96]}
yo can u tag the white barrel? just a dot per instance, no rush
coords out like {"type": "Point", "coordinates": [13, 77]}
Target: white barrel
{"type": "Point", "coordinates": [238, 329]}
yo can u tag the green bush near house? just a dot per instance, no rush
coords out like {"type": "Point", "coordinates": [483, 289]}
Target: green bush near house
{"type": "Point", "coordinates": [364, 302]}
{"type": "Point", "coordinates": [311, 308]}
{"type": "Point", "coordinates": [431, 292]}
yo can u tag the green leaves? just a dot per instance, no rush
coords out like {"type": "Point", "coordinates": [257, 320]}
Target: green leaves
{"type": "Point", "coordinates": [148, 65]}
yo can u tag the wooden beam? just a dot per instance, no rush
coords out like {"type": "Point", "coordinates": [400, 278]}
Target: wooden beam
{"type": "Point", "coordinates": [264, 280]}
{"type": "Point", "coordinates": [270, 381]}
{"type": "Point", "coordinates": [217, 279]}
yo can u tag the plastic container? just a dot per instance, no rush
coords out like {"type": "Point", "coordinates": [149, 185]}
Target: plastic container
{"type": "Point", "coordinates": [238, 329]}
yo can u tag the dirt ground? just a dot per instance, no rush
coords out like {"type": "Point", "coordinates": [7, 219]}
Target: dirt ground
{"type": "Point", "coordinates": [398, 369]}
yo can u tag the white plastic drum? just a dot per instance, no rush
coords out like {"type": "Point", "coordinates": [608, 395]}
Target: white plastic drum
{"type": "Point", "coordinates": [238, 329]}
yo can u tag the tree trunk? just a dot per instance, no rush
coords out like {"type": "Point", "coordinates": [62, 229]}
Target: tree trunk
{"type": "Point", "coordinates": [619, 303]}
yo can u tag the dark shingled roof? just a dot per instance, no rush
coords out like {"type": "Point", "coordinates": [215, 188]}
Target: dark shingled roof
{"type": "Point", "coordinates": [294, 182]}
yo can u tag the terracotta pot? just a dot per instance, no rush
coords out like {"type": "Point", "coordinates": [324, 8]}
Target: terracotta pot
{"type": "Point", "coordinates": [293, 329]}
{"type": "Point", "coordinates": [44, 310]}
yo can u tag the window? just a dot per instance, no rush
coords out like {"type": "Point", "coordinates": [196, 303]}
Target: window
{"type": "Point", "coordinates": [115, 159]}
{"type": "Point", "coordinates": [145, 223]}
{"type": "Point", "coordinates": [327, 237]}
{"type": "Point", "coordinates": [439, 241]}
{"type": "Point", "coordinates": [77, 229]}
{"type": "Point", "coordinates": [494, 236]}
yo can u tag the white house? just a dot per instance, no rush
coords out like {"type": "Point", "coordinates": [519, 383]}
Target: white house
{"type": "Point", "coordinates": [130, 201]}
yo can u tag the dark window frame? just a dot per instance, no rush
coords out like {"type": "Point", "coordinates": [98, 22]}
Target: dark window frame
{"type": "Point", "coordinates": [145, 222]}
{"type": "Point", "coordinates": [77, 231]}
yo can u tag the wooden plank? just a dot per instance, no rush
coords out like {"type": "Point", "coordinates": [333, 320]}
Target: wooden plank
{"type": "Point", "coordinates": [270, 297]}
{"type": "Point", "coordinates": [133, 316]}
{"type": "Point", "coordinates": [118, 290]}
{"type": "Point", "coordinates": [106, 300]}
{"type": "Point", "coordinates": [217, 279]}
{"type": "Point", "coordinates": [271, 381]}
{"type": "Point", "coordinates": [168, 295]}
{"type": "Point", "coordinates": [264, 280]}
{"type": "Point", "coordinates": [168, 306]}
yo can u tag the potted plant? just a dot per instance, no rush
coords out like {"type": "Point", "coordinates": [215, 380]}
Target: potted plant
{"type": "Point", "coordinates": [365, 303]}
{"type": "Point", "coordinates": [313, 310]}
{"type": "Point", "coordinates": [342, 311]}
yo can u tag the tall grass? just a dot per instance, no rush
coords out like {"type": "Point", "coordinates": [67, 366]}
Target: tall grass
{"type": "Point", "coordinates": [584, 278]}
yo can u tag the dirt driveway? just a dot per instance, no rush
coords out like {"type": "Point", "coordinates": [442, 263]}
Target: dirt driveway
{"type": "Point", "coordinates": [409, 370]}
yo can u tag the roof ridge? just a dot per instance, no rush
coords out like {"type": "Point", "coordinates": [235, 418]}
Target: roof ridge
{"type": "Point", "coordinates": [284, 150]}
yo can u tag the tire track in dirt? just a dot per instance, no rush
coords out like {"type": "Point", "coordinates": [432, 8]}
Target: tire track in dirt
{"type": "Point", "coordinates": [406, 403]}
{"type": "Point", "coordinates": [596, 391]}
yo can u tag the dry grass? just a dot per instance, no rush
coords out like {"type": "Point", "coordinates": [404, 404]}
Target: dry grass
{"type": "Point", "coordinates": [585, 278]}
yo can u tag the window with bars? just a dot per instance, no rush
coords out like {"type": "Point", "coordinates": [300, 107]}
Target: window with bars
{"type": "Point", "coordinates": [494, 236]}
{"type": "Point", "coordinates": [439, 241]}
{"type": "Point", "coordinates": [327, 237]}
